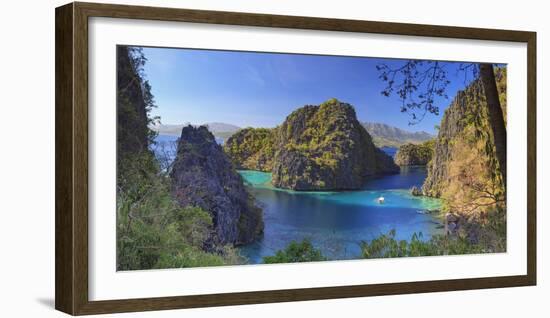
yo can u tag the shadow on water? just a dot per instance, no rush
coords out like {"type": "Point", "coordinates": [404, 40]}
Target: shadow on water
{"type": "Point", "coordinates": [336, 222]}
{"type": "Point", "coordinates": [406, 179]}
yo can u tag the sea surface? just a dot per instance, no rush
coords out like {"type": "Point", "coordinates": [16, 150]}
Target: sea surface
{"type": "Point", "coordinates": [389, 150]}
{"type": "Point", "coordinates": [335, 222]}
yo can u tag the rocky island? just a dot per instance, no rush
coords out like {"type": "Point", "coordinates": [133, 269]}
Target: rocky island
{"type": "Point", "coordinates": [320, 147]}
{"type": "Point", "coordinates": [204, 177]}
{"type": "Point", "coordinates": [252, 148]}
{"type": "Point", "coordinates": [414, 154]}
{"type": "Point", "coordinates": [208, 193]}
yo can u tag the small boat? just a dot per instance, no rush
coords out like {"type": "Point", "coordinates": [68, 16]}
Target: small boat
{"type": "Point", "coordinates": [381, 200]}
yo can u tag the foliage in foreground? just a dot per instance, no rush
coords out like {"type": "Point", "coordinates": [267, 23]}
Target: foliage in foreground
{"type": "Point", "coordinates": [153, 231]}
{"type": "Point", "coordinates": [487, 236]}
{"type": "Point", "coordinates": [387, 246]}
{"type": "Point", "coordinates": [296, 252]}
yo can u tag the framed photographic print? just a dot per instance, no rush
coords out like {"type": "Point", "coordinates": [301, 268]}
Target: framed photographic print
{"type": "Point", "coordinates": [211, 158]}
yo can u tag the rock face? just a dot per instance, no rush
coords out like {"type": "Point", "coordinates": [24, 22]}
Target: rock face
{"type": "Point", "coordinates": [203, 176]}
{"type": "Point", "coordinates": [464, 170]}
{"type": "Point", "coordinates": [252, 149]}
{"type": "Point", "coordinates": [414, 155]}
{"type": "Point", "coordinates": [416, 191]}
{"type": "Point", "coordinates": [326, 148]}
{"type": "Point", "coordinates": [132, 130]}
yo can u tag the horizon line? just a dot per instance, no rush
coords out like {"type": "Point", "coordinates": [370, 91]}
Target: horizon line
{"type": "Point", "coordinates": [250, 126]}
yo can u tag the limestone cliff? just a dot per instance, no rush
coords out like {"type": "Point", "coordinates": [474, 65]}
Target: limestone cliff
{"type": "Point", "coordinates": [414, 155]}
{"type": "Point", "coordinates": [326, 148]}
{"type": "Point", "coordinates": [464, 170]}
{"type": "Point", "coordinates": [133, 100]}
{"type": "Point", "coordinates": [320, 147]}
{"type": "Point", "coordinates": [203, 176]}
{"type": "Point", "coordinates": [252, 148]}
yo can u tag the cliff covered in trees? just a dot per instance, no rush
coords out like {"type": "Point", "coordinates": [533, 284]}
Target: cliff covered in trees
{"type": "Point", "coordinates": [252, 148]}
{"type": "Point", "coordinates": [153, 229]}
{"type": "Point", "coordinates": [415, 155]}
{"type": "Point", "coordinates": [203, 176]}
{"type": "Point", "coordinates": [134, 102]}
{"type": "Point", "coordinates": [326, 148]}
{"type": "Point", "coordinates": [464, 170]}
{"type": "Point", "coordinates": [316, 148]}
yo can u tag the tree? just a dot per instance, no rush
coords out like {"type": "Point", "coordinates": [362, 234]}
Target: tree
{"type": "Point", "coordinates": [153, 229]}
{"type": "Point", "coordinates": [296, 252]}
{"type": "Point", "coordinates": [418, 83]}
{"type": "Point", "coordinates": [496, 118]}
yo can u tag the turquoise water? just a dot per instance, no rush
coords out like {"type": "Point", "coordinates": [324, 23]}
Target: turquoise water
{"type": "Point", "coordinates": [336, 222]}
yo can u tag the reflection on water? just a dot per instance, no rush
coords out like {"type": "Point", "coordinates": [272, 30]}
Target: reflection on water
{"type": "Point", "coordinates": [336, 222]}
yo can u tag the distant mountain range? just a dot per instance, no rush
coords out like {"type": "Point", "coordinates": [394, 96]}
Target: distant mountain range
{"type": "Point", "coordinates": [388, 136]}
{"type": "Point", "coordinates": [383, 135]}
{"type": "Point", "coordinates": [220, 130]}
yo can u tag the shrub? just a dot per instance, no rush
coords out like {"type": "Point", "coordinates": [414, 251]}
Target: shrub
{"type": "Point", "coordinates": [296, 252]}
{"type": "Point", "coordinates": [153, 231]}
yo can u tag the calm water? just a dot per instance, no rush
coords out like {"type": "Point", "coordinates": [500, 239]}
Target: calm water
{"type": "Point", "coordinates": [390, 150]}
{"type": "Point", "coordinates": [336, 222]}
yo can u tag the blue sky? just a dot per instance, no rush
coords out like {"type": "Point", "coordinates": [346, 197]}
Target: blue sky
{"type": "Point", "coordinates": [250, 89]}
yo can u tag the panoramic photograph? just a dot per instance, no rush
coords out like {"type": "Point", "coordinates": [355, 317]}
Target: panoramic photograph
{"type": "Point", "coordinates": [238, 158]}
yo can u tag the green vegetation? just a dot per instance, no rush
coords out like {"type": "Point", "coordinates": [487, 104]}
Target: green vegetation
{"type": "Point", "coordinates": [486, 235]}
{"type": "Point", "coordinates": [413, 155]}
{"type": "Point", "coordinates": [315, 148]}
{"type": "Point", "coordinates": [501, 79]}
{"type": "Point", "coordinates": [386, 246]}
{"type": "Point", "coordinates": [162, 224]}
{"type": "Point", "coordinates": [252, 148]}
{"type": "Point", "coordinates": [296, 252]}
{"type": "Point", "coordinates": [325, 148]}
{"type": "Point", "coordinates": [134, 103]}
{"type": "Point", "coordinates": [153, 230]}
{"type": "Point", "coordinates": [464, 171]}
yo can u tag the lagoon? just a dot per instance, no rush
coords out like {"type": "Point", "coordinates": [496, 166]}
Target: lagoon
{"type": "Point", "coordinates": [336, 222]}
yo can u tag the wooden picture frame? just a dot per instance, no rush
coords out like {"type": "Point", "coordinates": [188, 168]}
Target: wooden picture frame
{"type": "Point", "coordinates": [71, 221]}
